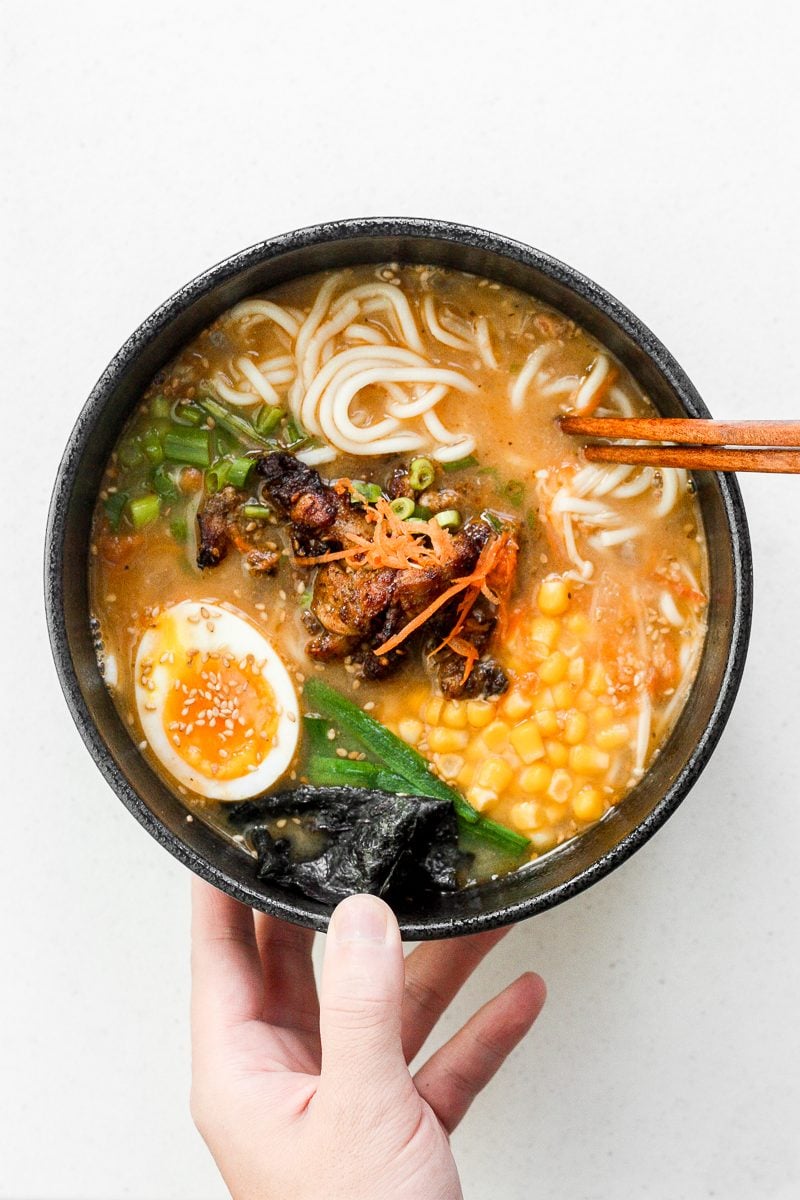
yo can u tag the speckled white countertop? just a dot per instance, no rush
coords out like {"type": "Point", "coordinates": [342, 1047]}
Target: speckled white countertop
{"type": "Point", "coordinates": [653, 147]}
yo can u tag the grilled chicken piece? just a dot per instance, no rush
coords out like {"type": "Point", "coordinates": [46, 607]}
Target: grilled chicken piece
{"type": "Point", "coordinates": [221, 524]}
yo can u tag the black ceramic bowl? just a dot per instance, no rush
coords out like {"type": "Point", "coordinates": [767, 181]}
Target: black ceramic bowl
{"type": "Point", "coordinates": [578, 863]}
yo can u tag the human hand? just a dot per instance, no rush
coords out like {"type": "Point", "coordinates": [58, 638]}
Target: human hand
{"type": "Point", "coordinates": [300, 1098]}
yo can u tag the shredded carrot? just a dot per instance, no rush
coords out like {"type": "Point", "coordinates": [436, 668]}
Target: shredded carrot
{"type": "Point", "coordinates": [473, 584]}
{"type": "Point", "coordinates": [394, 543]}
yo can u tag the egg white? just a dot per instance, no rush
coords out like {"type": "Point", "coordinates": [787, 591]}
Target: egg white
{"type": "Point", "coordinates": [223, 631]}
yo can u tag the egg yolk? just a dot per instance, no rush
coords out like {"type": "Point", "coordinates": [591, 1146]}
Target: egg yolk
{"type": "Point", "coordinates": [220, 714]}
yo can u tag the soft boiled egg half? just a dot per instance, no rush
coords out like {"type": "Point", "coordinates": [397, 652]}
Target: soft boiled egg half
{"type": "Point", "coordinates": [216, 704]}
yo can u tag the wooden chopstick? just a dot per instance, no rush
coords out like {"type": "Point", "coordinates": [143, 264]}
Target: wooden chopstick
{"type": "Point", "coordinates": [699, 458]}
{"type": "Point", "coordinates": [687, 430]}
{"type": "Point", "coordinates": [703, 445]}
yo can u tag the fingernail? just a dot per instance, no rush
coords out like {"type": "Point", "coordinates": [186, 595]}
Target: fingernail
{"type": "Point", "coordinates": [360, 919]}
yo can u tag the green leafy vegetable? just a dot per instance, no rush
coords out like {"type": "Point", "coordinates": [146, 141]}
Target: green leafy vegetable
{"type": "Point", "coordinates": [115, 507]}
{"type": "Point", "coordinates": [402, 760]}
{"type": "Point", "coordinates": [461, 464]}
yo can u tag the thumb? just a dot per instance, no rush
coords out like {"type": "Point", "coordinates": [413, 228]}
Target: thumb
{"type": "Point", "coordinates": [361, 998]}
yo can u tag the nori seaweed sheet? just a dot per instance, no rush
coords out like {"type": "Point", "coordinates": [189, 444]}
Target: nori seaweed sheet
{"type": "Point", "coordinates": [394, 846]}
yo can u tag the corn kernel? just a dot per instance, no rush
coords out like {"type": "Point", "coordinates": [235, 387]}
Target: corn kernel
{"type": "Point", "coordinates": [613, 737]}
{"type": "Point", "coordinates": [543, 699]}
{"type": "Point", "coordinates": [564, 695]}
{"type": "Point", "coordinates": [496, 735]}
{"type": "Point", "coordinates": [525, 815]}
{"type": "Point", "coordinates": [585, 701]}
{"type": "Point", "coordinates": [577, 623]}
{"type": "Point", "coordinates": [588, 804]}
{"type": "Point", "coordinates": [516, 705]}
{"type": "Point", "coordinates": [576, 671]}
{"type": "Point", "coordinates": [448, 765]}
{"type": "Point", "coordinates": [465, 776]}
{"type": "Point", "coordinates": [495, 774]}
{"type": "Point", "coordinates": [553, 598]}
{"type": "Point", "coordinates": [588, 760]}
{"type": "Point", "coordinates": [527, 741]}
{"type": "Point", "coordinates": [556, 813]}
{"type": "Point", "coordinates": [536, 778]}
{"type": "Point", "coordinates": [576, 726]}
{"type": "Point", "coordinates": [557, 753]}
{"type": "Point", "coordinates": [481, 798]}
{"type": "Point", "coordinates": [431, 711]}
{"type": "Point", "coordinates": [479, 713]}
{"type": "Point", "coordinates": [603, 716]}
{"type": "Point", "coordinates": [598, 680]}
{"type": "Point", "coordinates": [410, 730]}
{"type": "Point", "coordinates": [447, 741]}
{"type": "Point", "coordinates": [454, 714]}
{"type": "Point", "coordinates": [560, 786]}
{"type": "Point", "coordinates": [548, 722]}
{"type": "Point", "coordinates": [545, 630]}
{"type": "Point", "coordinates": [554, 668]}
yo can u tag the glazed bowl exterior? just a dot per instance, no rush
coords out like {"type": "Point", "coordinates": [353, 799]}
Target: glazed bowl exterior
{"type": "Point", "coordinates": [575, 865]}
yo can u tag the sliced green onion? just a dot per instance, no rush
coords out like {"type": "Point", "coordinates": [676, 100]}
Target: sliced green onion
{"type": "Point", "coordinates": [217, 476]}
{"type": "Point", "coordinates": [190, 446]}
{"type": "Point", "coordinates": [144, 509]}
{"type": "Point", "coordinates": [159, 406]}
{"type": "Point", "coordinates": [239, 471]}
{"type": "Point", "coordinates": [370, 491]}
{"type": "Point", "coordinates": [305, 600]}
{"type": "Point", "coordinates": [421, 513]}
{"type": "Point", "coordinates": [130, 454]}
{"type": "Point", "coordinates": [293, 434]}
{"type": "Point", "coordinates": [514, 492]}
{"type": "Point", "coordinates": [151, 444]}
{"type": "Point", "coordinates": [242, 430]}
{"type": "Point", "coordinates": [268, 418]}
{"type": "Point", "coordinates": [461, 464]}
{"type": "Point", "coordinates": [115, 506]}
{"type": "Point", "coordinates": [256, 512]}
{"type": "Point", "coordinates": [184, 413]}
{"type": "Point", "coordinates": [421, 474]}
{"type": "Point", "coordinates": [449, 519]}
{"type": "Point", "coordinates": [403, 507]}
{"type": "Point", "coordinates": [163, 483]}
{"type": "Point", "coordinates": [179, 529]}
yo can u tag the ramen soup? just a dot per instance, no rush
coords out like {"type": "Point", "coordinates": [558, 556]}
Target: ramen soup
{"type": "Point", "coordinates": [366, 608]}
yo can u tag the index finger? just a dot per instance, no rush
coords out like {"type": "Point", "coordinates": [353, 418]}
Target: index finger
{"type": "Point", "coordinates": [227, 987]}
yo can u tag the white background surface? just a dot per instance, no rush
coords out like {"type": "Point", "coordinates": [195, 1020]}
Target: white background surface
{"type": "Point", "coordinates": [653, 146]}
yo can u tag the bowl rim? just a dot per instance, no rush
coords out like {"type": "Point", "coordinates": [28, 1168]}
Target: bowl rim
{"type": "Point", "coordinates": [366, 228]}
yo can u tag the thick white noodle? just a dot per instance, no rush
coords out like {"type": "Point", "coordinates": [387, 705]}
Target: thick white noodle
{"type": "Point", "coordinates": [670, 611]}
{"type": "Point", "coordinates": [346, 392]}
{"type": "Point", "coordinates": [532, 367]}
{"type": "Point", "coordinates": [316, 455]}
{"type": "Point", "coordinates": [314, 319]}
{"type": "Point", "coordinates": [615, 537]}
{"type": "Point", "coordinates": [438, 330]}
{"type": "Point", "coordinates": [266, 310]}
{"type": "Point", "coordinates": [259, 382]}
{"type": "Point", "coordinates": [364, 333]}
{"type": "Point", "coordinates": [395, 299]}
{"type": "Point", "coordinates": [561, 387]}
{"type": "Point", "coordinates": [353, 359]}
{"type": "Point", "coordinates": [643, 731]}
{"type": "Point", "coordinates": [456, 450]}
{"type": "Point", "coordinates": [597, 373]}
{"type": "Point", "coordinates": [585, 567]}
{"type": "Point", "coordinates": [406, 408]}
{"type": "Point", "coordinates": [484, 343]}
{"type": "Point", "coordinates": [324, 335]}
{"type": "Point", "coordinates": [673, 481]}
{"type": "Point", "coordinates": [236, 398]}
{"type": "Point", "coordinates": [637, 486]}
